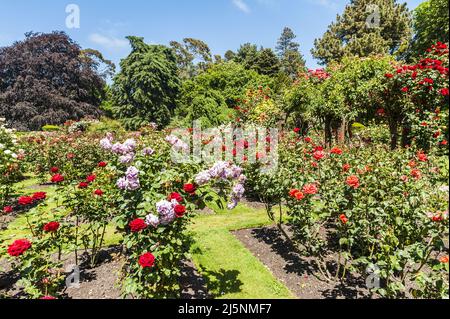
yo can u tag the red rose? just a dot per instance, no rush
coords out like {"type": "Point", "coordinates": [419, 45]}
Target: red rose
{"type": "Point", "coordinates": [405, 89]}
{"type": "Point", "coordinates": [381, 112]}
{"type": "Point", "coordinates": [416, 173]}
{"type": "Point", "coordinates": [389, 75]}
{"type": "Point", "coordinates": [25, 200]}
{"type": "Point", "coordinates": [147, 260]}
{"type": "Point", "coordinates": [137, 225]}
{"type": "Point", "coordinates": [91, 178]}
{"type": "Point", "coordinates": [314, 164]}
{"type": "Point", "coordinates": [296, 130]}
{"type": "Point", "coordinates": [343, 219]}
{"type": "Point", "coordinates": [444, 142]}
{"type": "Point", "coordinates": [83, 185]}
{"type": "Point", "coordinates": [39, 196]}
{"type": "Point", "coordinates": [336, 151]}
{"type": "Point", "coordinates": [292, 192]}
{"type": "Point", "coordinates": [57, 178]}
{"type": "Point", "coordinates": [444, 91]}
{"type": "Point", "coordinates": [51, 227]}
{"type": "Point", "coordinates": [189, 188]}
{"type": "Point", "coordinates": [102, 164]}
{"type": "Point", "coordinates": [18, 247]}
{"type": "Point", "coordinates": [422, 157]}
{"type": "Point", "coordinates": [318, 155]}
{"type": "Point", "coordinates": [176, 196]}
{"type": "Point", "coordinates": [299, 195]}
{"type": "Point", "coordinates": [310, 189]}
{"type": "Point", "coordinates": [98, 192]}
{"type": "Point", "coordinates": [7, 209]}
{"type": "Point", "coordinates": [353, 181]}
{"type": "Point", "coordinates": [308, 140]}
{"type": "Point", "coordinates": [54, 169]}
{"type": "Point", "coordinates": [346, 167]}
{"type": "Point", "coordinates": [317, 148]}
{"type": "Point", "coordinates": [179, 210]}
{"type": "Point", "coordinates": [444, 260]}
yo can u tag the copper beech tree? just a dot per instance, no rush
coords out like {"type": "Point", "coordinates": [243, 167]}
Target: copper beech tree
{"type": "Point", "coordinates": [48, 79]}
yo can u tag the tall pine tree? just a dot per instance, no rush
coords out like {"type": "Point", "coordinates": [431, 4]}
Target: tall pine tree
{"type": "Point", "coordinates": [288, 51]}
{"type": "Point", "coordinates": [365, 28]}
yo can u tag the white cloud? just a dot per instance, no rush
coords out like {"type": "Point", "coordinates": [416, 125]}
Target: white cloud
{"type": "Point", "coordinates": [108, 42]}
{"type": "Point", "coordinates": [241, 5]}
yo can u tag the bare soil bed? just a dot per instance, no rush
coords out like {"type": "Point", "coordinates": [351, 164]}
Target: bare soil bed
{"type": "Point", "coordinates": [103, 281]}
{"type": "Point", "coordinates": [296, 272]}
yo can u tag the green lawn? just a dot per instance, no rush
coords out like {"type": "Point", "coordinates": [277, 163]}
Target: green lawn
{"type": "Point", "coordinates": [230, 270]}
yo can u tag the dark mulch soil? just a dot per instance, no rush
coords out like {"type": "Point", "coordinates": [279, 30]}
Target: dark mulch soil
{"type": "Point", "coordinates": [103, 281]}
{"type": "Point", "coordinates": [298, 273]}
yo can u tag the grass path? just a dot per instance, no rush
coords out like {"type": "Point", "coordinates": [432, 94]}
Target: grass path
{"type": "Point", "coordinates": [229, 269]}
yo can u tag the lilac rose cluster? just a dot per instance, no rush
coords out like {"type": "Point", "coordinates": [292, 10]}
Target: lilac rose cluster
{"type": "Point", "coordinates": [176, 143]}
{"type": "Point", "coordinates": [224, 171]}
{"type": "Point", "coordinates": [125, 150]}
{"type": "Point", "coordinates": [130, 181]}
{"type": "Point", "coordinates": [166, 213]}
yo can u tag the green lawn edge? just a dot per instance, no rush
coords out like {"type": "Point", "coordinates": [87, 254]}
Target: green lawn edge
{"type": "Point", "coordinates": [231, 271]}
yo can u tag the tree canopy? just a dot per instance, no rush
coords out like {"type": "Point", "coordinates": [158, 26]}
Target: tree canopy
{"type": "Point", "coordinates": [366, 27]}
{"type": "Point", "coordinates": [211, 95]}
{"type": "Point", "coordinates": [47, 79]}
{"type": "Point", "coordinates": [289, 53]}
{"type": "Point", "coordinates": [146, 88]}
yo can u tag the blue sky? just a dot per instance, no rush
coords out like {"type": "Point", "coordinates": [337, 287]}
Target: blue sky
{"type": "Point", "coordinates": [223, 24]}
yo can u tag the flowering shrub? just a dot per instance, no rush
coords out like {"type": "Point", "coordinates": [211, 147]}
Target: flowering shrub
{"type": "Point", "coordinates": [360, 208]}
{"type": "Point", "coordinates": [72, 155]}
{"type": "Point", "coordinates": [258, 108]}
{"type": "Point", "coordinates": [38, 259]}
{"type": "Point", "coordinates": [150, 201]}
{"type": "Point", "coordinates": [10, 157]}
{"type": "Point", "coordinates": [421, 92]}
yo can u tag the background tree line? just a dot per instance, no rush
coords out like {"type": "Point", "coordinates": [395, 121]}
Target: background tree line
{"type": "Point", "coordinates": [49, 79]}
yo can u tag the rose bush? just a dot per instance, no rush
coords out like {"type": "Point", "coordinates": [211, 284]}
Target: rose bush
{"type": "Point", "coordinates": [10, 162]}
{"type": "Point", "coordinates": [360, 208]}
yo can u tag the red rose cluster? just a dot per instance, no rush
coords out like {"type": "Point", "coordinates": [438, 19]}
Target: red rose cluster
{"type": "Point", "coordinates": [147, 260]}
{"type": "Point", "coordinates": [19, 247]}
{"type": "Point", "coordinates": [51, 227]}
{"type": "Point", "coordinates": [175, 196]}
{"type": "Point", "coordinates": [189, 188]}
{"type": "Point", "coordinates": [343, 219]}
{"type": "Point", "coordinates": [353, 182]}
{"type": "Point", "coordinates": [28, 200]}
{"type": "Point", "coordinates": [57, 178]}
{"type": "Point", "coordinates": [137, 225]}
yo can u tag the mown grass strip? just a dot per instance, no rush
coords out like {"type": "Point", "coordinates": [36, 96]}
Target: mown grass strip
{"type": "Point", "coordinates": [230, 269]}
